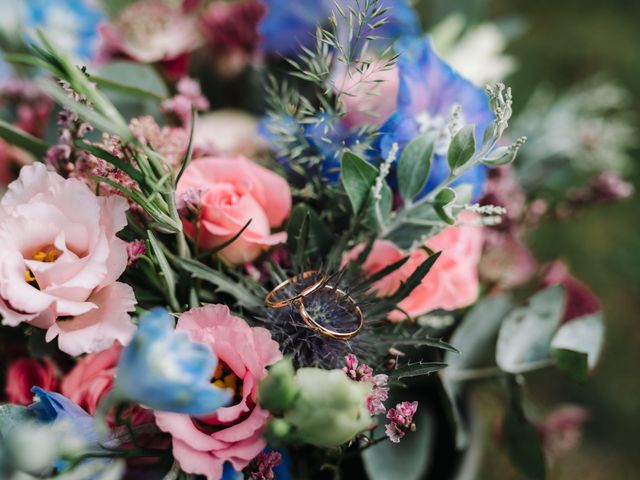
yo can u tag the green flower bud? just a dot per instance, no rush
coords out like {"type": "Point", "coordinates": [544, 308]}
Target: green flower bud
{"type": "Point", "coordinates": [277, 432]}
{"type": "Point", "coordinates": [330, 408]}
{"type": "Point", "coordinates": [278, 391]}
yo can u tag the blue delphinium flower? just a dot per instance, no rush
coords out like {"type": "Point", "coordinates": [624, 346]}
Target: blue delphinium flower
{"type": "Point", "coordinates": [54, 407]}
{"type": "Point", "coordinates": [429, 92]}
{"type": "Point", "coordinates": [288, 25]}
{"type": "Point", "coordinates": [71, 24]}
{"type": "Point", "coordinates": [164, 370]}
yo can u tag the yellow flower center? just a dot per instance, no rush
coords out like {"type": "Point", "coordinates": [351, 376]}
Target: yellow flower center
{"type": "Point", "coordinates": [223, 377]}
{"type": "Point", "coordinates": [47, 254]}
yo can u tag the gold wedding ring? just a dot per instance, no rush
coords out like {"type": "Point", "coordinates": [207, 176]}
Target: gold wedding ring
{"type": "Point", "coordinates": [270, 301]}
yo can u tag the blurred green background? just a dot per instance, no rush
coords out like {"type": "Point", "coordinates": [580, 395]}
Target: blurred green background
{"type": "Point", "coordinates": [565, 42]}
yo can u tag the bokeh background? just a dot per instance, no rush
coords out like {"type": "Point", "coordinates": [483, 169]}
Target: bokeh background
{"type": "Point", "coordinates": [562, 43]}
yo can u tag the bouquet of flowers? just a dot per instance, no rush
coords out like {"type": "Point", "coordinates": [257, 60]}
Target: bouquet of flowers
{"type": "Point", "coordinates": [268, 239]}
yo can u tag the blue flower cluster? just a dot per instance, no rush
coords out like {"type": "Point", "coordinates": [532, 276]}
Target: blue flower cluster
{"type": "Point", "coordinates": [164, 370]}
{"type": "Point", "coordinates": [71, 24]}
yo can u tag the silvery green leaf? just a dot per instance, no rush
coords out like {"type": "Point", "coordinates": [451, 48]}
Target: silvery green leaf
{"type": "Point", "coordinates": [525, 335]}
{"type": "Point", "coordinates": [462, 147]}
{"type": "Point", "coordinates": [392, 461]}
{"type": "Point", "coordinates": [414, 166]}
{"type": "Point", "coordinates": [444, 205]}
{"type": "Point", "coordinates": [358, 177]}
{"type": "Point", "coordinates": [500, 156]}
{"type": "Point", "coordinates": [131, 78]}
{"type": "Point", "coordinates": [585, 336]}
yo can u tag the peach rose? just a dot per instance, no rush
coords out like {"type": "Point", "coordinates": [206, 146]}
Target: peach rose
{"type": "Point", "coordinates": [234, 190]}
{"type": "Point", "coordinates": [450, 284]}
{"type": "Point", "coordinates": [234, 434]}
{"type": "Point", "coordinates": [25, 373]}
{"type": "Point", "coordinates": [60, 259]}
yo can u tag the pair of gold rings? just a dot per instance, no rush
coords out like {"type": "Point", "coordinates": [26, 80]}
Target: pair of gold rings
{"type": "Point", "coordinates": [308, 283]}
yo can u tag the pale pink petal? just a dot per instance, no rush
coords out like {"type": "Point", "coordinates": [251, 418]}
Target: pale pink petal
{"type": "Point", "coordinates": [33, 180]}
{"type": "Point", "coordinates": [197, 462]}
{"type": "Point", "coordinates": [99, 328]}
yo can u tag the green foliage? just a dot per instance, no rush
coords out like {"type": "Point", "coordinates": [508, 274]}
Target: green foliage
{"type": "Point", "coordinates": [577, 344]}
{"type": "Point", "coordinates": [414, 166]}
{"type": "Point", "coordinates": [358, 178]}
{"type": "Point", "coordinates": [407, 460]}
{"type": "Point", "coordinates": [132, 79]}
{"type": "Point", "coordinates": [22, 139]}
{"type": "Point", "coordinates": [462, 147]}
{"type": "Point", "coordinates": [524, 341]}
{"type": "Point", "coordinates": [523, 443]}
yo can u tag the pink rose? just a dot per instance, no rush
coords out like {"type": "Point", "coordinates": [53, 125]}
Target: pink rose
{"type": "Point", "coordinates": [60, 259]}
{"type": "Point", "coordinates": [450, 284]}
{"type": "Point", "coordinates": [234, 434]}
{"type": "Point", "coordinates": [25, 373]}
{"type": "Point", "coordinates": [235, 190]}
{"type": "Point", "coordinates": [91, 378]}
{"type": "Point", "coordinates": [372, 99]}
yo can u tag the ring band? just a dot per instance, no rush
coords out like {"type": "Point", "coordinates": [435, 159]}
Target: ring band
{"type": "Point", "coordinates": [269, 299]}
{"type": "Point", "coordinates": [327, 331]}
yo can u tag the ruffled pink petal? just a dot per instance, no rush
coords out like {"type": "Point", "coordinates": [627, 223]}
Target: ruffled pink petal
{"type": "Point", "coordinates": [182, 429]}
{"type": "Point", "coordinates": [197, 462]}
{"type": "Point", "coordinates": [32, 181]}
{"type": "Point", "coordinates": [98, 329]}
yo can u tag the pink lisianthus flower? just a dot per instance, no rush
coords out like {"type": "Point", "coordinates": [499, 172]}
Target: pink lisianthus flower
{"type": "Point", "coordinates": [149, 31]}
{"type": "Point", "coordinates": [236, 190]}
{"type": "Point", "coordinates": [60, 259]}
{"type": "Point", "coordinates": [25, 373]}
{"type": "Point", "coordinates": [451, 283]}
{"type": "Point", "coordinates": [202, 445]}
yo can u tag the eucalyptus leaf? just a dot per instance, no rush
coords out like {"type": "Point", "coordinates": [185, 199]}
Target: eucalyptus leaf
{"type": "Point", "coordinates": [358, 177]}
{"type": "Point", "coordinates": [523, 443]}
{"type": "Point", "coordinates": [443, 205]}
{"type": "Point", "coordinates": [525, 336]}
{"type": "Point", "coordinates": [462, 147]}
{"type": "Point", "coordinates": [407, 460]}
{"type": "Point", "coordinates": [414, 166]}
{"type": "Point", "coordinates": [584, 335]}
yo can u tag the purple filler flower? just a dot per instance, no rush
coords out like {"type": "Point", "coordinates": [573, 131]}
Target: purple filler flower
{"type": "Point", "coordinates": [401, 420]}
{"type": "Point", "coordinates": [364, 373]}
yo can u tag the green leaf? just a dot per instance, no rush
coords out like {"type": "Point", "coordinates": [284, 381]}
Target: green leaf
{"type": "Point", "coordinates": [443, 205]}
{"type": "Point", "coordinates": [133, 79]}
{"type": "Point", "coordinates": [358, 177]}
{"type": "Point", "coordinates": [462, 147]}
{"type": "Point", "coordinates": [222, 282]}
{"type": "Point", "coordinates": [311, 239]}
{"type": "Point", "coordinates": [414, 165]}
{"type": "Point", "coordinates": [523, 443]}
{"type": "Point", "coordinates": [407, 460]}
{"type": "Point", "coordinates": [379, 209]}
{"type": "Point", "coordinates": [416, 369]}
{"type": "Point", "coordinates": [525, 335]}
{"type": "Point", "coordinates": [574, 364]}
{"type": "Point", "coordinates": [210, 253]}
{"type": "Point", "coordinates": [21, 139]}
{"type": "Point", "coordinates": [584, 337]}
{"type": "Point", "coordinates": [500, 156]}
{"type": "Point", "coordinates": [168, 275]}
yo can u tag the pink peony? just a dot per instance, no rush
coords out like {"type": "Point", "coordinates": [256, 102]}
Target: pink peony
{"type": "Point", "coordinates": [234, 191]}
{"type": "Point", "coordinates": [450, 284]}
{"type": "Point", "coordinates": [234, 434]}
{"type": "Point", "coordinates": [60, 259]}
{"type": "Point", "coordinates": [25, 373]}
